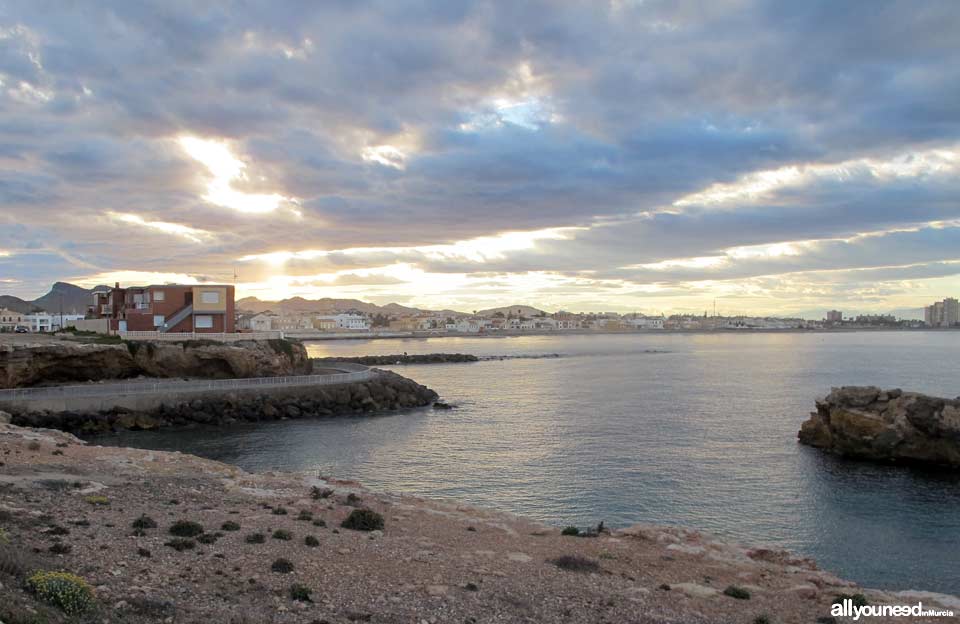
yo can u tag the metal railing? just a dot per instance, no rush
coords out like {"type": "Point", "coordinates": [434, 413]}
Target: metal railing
{"type": "Point", "coordinates": [217, 336]}
{"type": "Point", "coordinates": [166, 386]}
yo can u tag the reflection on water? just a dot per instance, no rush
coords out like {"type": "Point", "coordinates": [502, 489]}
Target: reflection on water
{"type": "Point", "coordinates": [701, 432]}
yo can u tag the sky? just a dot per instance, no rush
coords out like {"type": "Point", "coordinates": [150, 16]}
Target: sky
{"type": "Point", "coordinates": [779, 158]}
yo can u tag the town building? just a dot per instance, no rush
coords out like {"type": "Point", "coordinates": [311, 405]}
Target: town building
{"type": "Point", "coordinates": [352, 322]}
{"type": "Point", "coordinates": [46, 322]}
{"type": "Point", "coordinates": [174, 308]}
{"type": "Point", "coordinates": [944, 313]}
{"type": "Point", "coordinates": [10, 320]}
{"type": "Point", "coordinates": [834, 316]}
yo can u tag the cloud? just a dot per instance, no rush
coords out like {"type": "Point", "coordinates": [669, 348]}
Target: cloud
{"type": "Point", "coordinates": [651, 134]}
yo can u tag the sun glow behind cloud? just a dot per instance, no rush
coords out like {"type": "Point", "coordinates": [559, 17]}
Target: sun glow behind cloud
{"type": "Point", "coordinates": [176, 229]}
{"type": "Point", "coordinates": [225, 169]}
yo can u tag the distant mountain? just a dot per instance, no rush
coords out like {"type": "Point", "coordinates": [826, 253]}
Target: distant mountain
{"type": "Point", "coordinates": [515, 310]}
{"type": "Point", "coordinates": [328, 306]}
{"type": "Point", "coordinates": [71, 299]}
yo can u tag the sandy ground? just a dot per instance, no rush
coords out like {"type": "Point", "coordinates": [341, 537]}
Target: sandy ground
{"type": "Point", "coordinates": [434, 562]}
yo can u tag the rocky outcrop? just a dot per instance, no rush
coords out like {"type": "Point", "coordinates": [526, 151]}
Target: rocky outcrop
{"type": "Point", "coordinates": [886, 425]}
{"type": "Point", "coordinates": [387, 360]}
{"type": "Point", "coordinates": [387, 391]}
{"type": "Point", "coordinates": [62, 361]}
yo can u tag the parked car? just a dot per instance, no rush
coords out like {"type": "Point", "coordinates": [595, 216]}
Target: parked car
{"type": "Point", "coordinates": [21, 330]}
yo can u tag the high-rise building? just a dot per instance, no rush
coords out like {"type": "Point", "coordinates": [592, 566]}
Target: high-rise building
{"type": "Point", "coordinates": [944, 313]}
{"type": "Point", "coordinates": [834, 316]}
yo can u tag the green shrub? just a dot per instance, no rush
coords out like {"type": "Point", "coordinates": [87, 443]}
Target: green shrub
{"type": "Point", "coordinates": [763, 619]}
{"type": "Point", "coordinates": [318, 493]}
{"type": "Point", "coordinates": [305, 516]}
{"type": "Point", "coordinates": [56, 529]}
{"type": "Point", "coordinates": [575, 563]}
{"type": "Point", "coordinates": [300, 592]}
{"type": "Point", "coordinates": [180, 544]}
{"type": "Point", "coordinates": [353, 500]}
{"type": "Point", "coordinates": [859, 600]}
{"type": "Point", "coordinates": [319, 522]}
{"type": "Point", "coordinates": [282, 534]}
{"type": "Point", "coordinates": [570, 530]}
{"type": "Point", "coordinates": [59, 548]}
{"type": "Point", "coordinates": [311, 541]}
{"type": "Point", "coordinates": [735, 591]}
{"type": "Point", "coordinates": [229, 525]}
{"type": "Point", "coordinates": [282, 566]}
{"type": "Point", "coordinates": [209, 538]}
{"type": "Point", "coordinates": [363, 520]}
{"type": "Point", "coordinates": [256, 538]}
{"type": "Point", "coordinates": [67, 591]}
{"type": "Point", "coordinates": [144, 522]}
{"type": "Point", "coordinates": [186, 528]}
{"type": "Point", "coordinates": [4, 536]}
{"type": "Point", "coordinates": [97, 500]}
{"type": "Point", "coordinates": [34, 446]}
{"type": "Point", "coordinates": [279, 511]}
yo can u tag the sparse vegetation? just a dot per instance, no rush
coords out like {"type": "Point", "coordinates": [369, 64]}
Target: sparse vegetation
{"type": "Point", "coordinates": [143, 552]}
{"type": "Point", "coordinates": [256, 538]}
{"type": "Point", "coordinates": [4, 537]}
{"type": "Point", "coordinates": [363, 520]}
{"type": "Point", "coordinates": [305, 516]}
{"type": "Point", "coordinates": [299, 592]}
{"type": "Point", "coordinates": [570, 530]}
{"type": "Point", "coordinates": [97, 500]}
{"type": "Point", "coordinates": [318, 493]}
{"type": "Point", "coordinates": [69, 592]}
{"type": "Point", "coordinates": [575, 563]}
{"type": "Point", "coordinates": [180, 544]}
{"type": "Point", "coordinates": [59, 548]}
{"type": "Point", "coordinates": [186, 528]}
{"type": "Point", "coordinates": [209, 538]}
{"type": "Point", "coordinates": [283, 534]}
{"type": "Point", "coordinates": [319, 522]}
{"type": "Point", "coordinates": [230, 525]}
{"type": "Point", "coordinates": [471, 587]}
{"type": "Point", "coordinates": [735, 591]}
{"type": "Point", "coordinates": [353, 500]}
{"type": "Point", "coordinates": [859, 600]}
{"type": "Point", "coordinates": [56, 529]}
{"type": "Point", "coordinates": [282, 566]}
{"type": "Point", "coordinates": [34, 446]}
{"type": "Point", "coordinates": [144, 522]}
{"type": "Point", "coordinates": [764, 619]}
{"type": "Point", "coordinates": [279, 511]}
{"type": "Point", "coordinates": [311, 541]}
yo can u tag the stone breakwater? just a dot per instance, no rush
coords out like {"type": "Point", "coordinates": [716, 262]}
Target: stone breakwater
{"type": "Point", "coordinates": [886, 425]}
{"type": "Point", "coordinates": [168, 537]}
{"type": "Point", "coordinates": [63, 361]}
{"type": "Point", "coordinates": [385, 392]}
{"type": "Point", "coordinates": [388, 360]}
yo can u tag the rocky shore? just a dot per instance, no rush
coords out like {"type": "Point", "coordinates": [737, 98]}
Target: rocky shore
{"type": "Point", "coordinates": [62, 361]}
{"type": "Point", "coordinates": [403, 358]}
{"type": "Point", "coordinates": [886, 425]}
{"type": "Point", "coordinates": [386, 392]}
{"type": "Point", "coordinates": [145, 536]}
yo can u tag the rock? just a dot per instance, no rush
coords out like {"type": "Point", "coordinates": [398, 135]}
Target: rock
{"type": "Point", "coordinates": [891, 426]}
{"type": "Point", "coordinates": [519, 557]}
{"type": "Point", "coordinates": [5, 418]}
{"type": "Point", "coordinates": [694, 590]}
{"type": "Point", "coordinates": [804, 591]}
{"type": "Point", "coordinates": [437, 590]}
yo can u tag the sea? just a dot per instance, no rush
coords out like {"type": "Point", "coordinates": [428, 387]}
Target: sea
{"type": "Point", "coordinates": [697, 430]}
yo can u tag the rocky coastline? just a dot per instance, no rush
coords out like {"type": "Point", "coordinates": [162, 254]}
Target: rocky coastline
{"type": "Point", "coordinates": [387, 391]}
{"type": "Point", "coordinates": [147, 536]}
{"type": "Point", "coordinates": [886, 426]}
{"type": "Point", "coordinates": [403, 358]}
{"type": "Point", "coordinates": [63, 361]}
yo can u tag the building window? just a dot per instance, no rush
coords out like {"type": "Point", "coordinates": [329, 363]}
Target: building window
{"type": "Point", "coordinates": [158, 320]}
{"type": "Point", "coordinates": [159, 295]}
{"type": "Point", "coordinates": [210, 296]}
{"type": "Point", "coordinates": [203, 322]}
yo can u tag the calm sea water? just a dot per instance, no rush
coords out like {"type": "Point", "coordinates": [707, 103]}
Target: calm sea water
{"type": "Point", "coordinates": [696, 430]}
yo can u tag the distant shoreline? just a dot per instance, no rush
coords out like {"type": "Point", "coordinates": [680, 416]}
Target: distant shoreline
{"type": "Point", "coordinates": [303, 336]}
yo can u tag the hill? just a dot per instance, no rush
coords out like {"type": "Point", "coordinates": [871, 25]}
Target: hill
{"type": "Point", "coordinates": [73, 299]}
{"type": "Point", "coordinates": [515, 310]}
{"type": "Point", "coordinates": [328, 305]}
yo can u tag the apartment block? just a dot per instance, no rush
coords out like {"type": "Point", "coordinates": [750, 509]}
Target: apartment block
{"type": "Point", "coordinates": [174, 308]}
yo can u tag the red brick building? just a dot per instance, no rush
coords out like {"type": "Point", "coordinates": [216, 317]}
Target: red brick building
{"type": "Point", "coordinates": [165, 308]}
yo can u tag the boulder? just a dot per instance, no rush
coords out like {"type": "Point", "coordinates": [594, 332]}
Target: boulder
{"type": "Point", "coordinates": [891, 426]}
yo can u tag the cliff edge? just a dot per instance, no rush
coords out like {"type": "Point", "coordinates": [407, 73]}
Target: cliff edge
{"type": "Point", "coordinates": [886, 425]}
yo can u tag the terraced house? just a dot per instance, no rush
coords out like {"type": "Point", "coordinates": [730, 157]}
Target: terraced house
{"type": "Point", "coordinates": [174, 308]}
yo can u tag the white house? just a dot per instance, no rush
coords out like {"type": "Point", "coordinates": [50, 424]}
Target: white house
{"type": "Point", "coordinates": [46, 322]}
{"type": "Point", "coordinates": [647, 322]}
{"type": "Point", "coordinates": [353, 322]}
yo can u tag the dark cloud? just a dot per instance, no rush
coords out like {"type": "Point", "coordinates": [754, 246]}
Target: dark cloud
{"type": "Point", "coordinates": [506, 116]}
